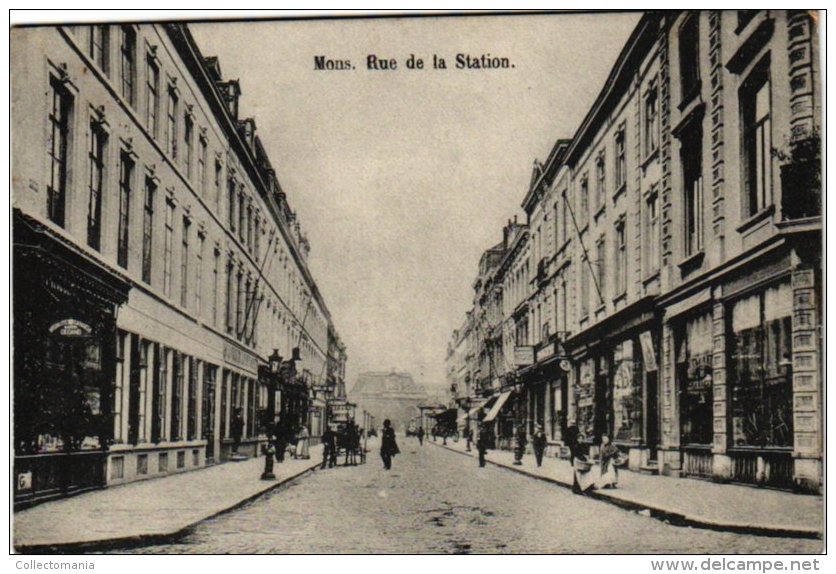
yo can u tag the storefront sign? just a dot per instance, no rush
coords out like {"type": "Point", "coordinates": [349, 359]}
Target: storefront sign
{"type": "Point", "coordinates": [523, 356]}
{"type": "Point", "coordinates": [545, 352]}
{"type": "Point", "coordinates": [71, 328]}
{"type": "Point", "coordinates": [648, 352]}
{"type": "Point", "coordinates": [240, 358]}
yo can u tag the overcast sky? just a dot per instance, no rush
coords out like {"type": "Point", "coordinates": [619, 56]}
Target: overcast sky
{"type": "Point", "coordinates": [401, 179]}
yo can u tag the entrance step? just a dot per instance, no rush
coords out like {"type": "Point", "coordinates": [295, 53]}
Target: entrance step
{"type": "Point", "coordinates": [238, 458]}
{"type": "Point", "coordinates": [652, 467]}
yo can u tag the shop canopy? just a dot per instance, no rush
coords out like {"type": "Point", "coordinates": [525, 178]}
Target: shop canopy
{"type": "Point", "coordinates": [474, 412]}
{"type": "Point", "coordinates": [497, 406]}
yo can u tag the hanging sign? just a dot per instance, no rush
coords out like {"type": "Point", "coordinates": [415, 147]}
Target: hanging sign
{"type": "Point", "coordinates": [71, 328]}
{"type": "Point", "coordinates": [648, 352]}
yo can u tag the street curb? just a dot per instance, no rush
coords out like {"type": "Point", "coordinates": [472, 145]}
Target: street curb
{"type": "Point", "coordinates": [140, 540]}
{"type": "Point", "coordinates": [668, 516]}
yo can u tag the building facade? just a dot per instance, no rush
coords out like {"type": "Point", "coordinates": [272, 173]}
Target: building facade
{"type": "Point", "coordinates": [157, 264]}
{"type": "Point", "coordinates": [675, 249]}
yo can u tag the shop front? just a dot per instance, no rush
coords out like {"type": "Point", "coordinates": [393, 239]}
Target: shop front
{"type": "Point", "coordinates": [615, 390]}
{"type": "Point", "coordinates": [65, 307]}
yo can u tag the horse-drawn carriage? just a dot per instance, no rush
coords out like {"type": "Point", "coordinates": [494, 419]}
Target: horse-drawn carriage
{"type": "Point", "coordinates": [349, 444]}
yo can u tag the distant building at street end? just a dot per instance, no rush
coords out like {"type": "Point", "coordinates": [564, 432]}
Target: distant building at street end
{"type": "Point", "coordinates": [389, 395]}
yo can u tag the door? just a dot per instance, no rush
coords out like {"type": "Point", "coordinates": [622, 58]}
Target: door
{"type": "Point", "coordinates": [652, 414]}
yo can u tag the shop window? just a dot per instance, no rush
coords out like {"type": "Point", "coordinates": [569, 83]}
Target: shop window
{"type": "Point", "coordinates": [119, 385]}
{"type": "Point", "coordinates": [127, 53]}
{"type": "Point", "coordinates": [58, 150]}
{"type": "Point", "coordinates": [689, 57]}
{"type": "Point", "coordinates": [558, 414]}
{"type": "Point", "coordinates": [760, 368]}
{"type": "Point", "coordinates": [95, 182]}
{"type": "Point", "coordinates": [161, 356]}
{"type": "Point", "coordinates": [117, 468]}
{"type": "Point", "coordinates": [142, 464]}
{"type": "Point", "coordinates": [694, 374]}
{"type": "Point", "coordinates": [627, 391]}
{"type": "Point", "coordinates": [176, 396]}
{"type": "Point", "coordinates": [755, 108]}
{"type": "Point", "coordinates": [224, 402]}
{"type": "Point", "coordinates": [126, 176]}
{"type": "Point", "coordinates": [208, 397]}
{"type": "Point", "coordinates": [191, 425]}
{"type": "Point", "coordinates": [585, 398]}
{"type": "Point", "coordinates": [162, 462]}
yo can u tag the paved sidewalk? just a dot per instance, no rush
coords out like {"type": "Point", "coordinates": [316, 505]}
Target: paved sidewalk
{"type": "Point", "coordinates": [148, 511]}
{"type": "Point", "coordinates": [686, 501]}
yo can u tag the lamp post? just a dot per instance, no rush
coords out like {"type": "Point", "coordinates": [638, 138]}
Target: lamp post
{"type": "Point", "coordinates": [275, 361]}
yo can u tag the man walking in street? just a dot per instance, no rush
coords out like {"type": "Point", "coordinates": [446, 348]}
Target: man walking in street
{"type": "Point", "coordinates": [388, 445]}
{"type": "Point", "coordinates": [329, 448]}
{"type": "Point", "coordinates": [421, 436]}
{"type": "Point", "coordinates": [538, 442]}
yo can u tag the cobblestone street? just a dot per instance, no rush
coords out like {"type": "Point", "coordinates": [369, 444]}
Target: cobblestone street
{"type": "Point", "coordinates": [437, 501]}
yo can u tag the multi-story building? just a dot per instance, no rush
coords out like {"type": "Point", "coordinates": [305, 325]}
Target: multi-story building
{"type": "Point", "coordinates": [675, 245]}
{"type": "Point", "coordinates": [157, 263]}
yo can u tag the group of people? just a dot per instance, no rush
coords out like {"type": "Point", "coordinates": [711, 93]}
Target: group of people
{"type": "Point", "coordinates": [284, 437]}
{"type": "Point", "coordinates": [586, 475]}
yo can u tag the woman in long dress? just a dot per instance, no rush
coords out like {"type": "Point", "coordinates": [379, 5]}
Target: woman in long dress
{"type": "Point", "coordinates": [584, 477]}
{"type": "Point", "coordinates": [609, 458]}
{"type": "Point", "coordinates": [303, 439]}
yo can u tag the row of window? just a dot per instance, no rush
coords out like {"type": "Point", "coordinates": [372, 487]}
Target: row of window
{"type": "Point", "coordinates": [241, 303]}
{"type": "Point", "coordinates": [162, 395]}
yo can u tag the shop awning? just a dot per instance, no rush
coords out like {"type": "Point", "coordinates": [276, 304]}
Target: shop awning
{"type": "Point", "coordinates": [497, 406]}
{"type": "Point", "coordinates": [474, 412]}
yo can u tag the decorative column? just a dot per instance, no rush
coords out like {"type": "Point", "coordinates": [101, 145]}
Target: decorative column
{"type": "Point", "coordinates": [670, 456]}
{"type": "Point", "coordinates": [718, 216]}
{"type": "Point", "coordinates": [806, 383]}
{"type": "Point", "coordinates": [720, 460]}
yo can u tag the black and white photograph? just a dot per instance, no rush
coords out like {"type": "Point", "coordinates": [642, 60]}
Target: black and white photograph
{"type": "Point", "coordinates": [417, 283]}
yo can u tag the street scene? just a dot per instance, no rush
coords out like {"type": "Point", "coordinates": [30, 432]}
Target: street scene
{"type": "Point", "coordinates": [451, 284]}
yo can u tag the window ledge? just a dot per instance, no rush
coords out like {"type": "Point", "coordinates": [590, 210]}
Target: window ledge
{"type": "Point", "coordinates": [600, 211]}
{"type": "Point", "coordinates": [691, 262]}
{"type": "Point", "coordinates": [690, 96]}
{"type": "Point", "coordinates": [619, 298]}
{"type": "Point", "coordinates": [563, 247]}
{"type": "Point", "coordinates": [650, 157]}
{"type": "Point", "coordinates": [651, 277]}
{"type": "Point", "coordinates": [621, 189]}
{"type": "Point", "coordinates": [764, 213]}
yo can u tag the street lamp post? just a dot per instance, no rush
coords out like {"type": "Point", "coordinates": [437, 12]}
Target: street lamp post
{"type": "Point", "coordinates": [275, 362]}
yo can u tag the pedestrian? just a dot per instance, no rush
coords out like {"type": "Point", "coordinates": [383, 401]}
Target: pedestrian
{"type": "Point", "coordinates": [388, 445]}
{"type": "Point", "coordinates": [329, 448]}
{"type": "Point", "coordinates": [303, 439]}
{"type": "Point", "coordinates": [468, 435]}
{"type": "Point", "coordinates": [237, 429]}
{"type": "Point", "coordinates": [610, 457]}
{"type": "Point", "coordinates": [538, 443]}
{"type": "Point", "coordinates": [520, 442]}
{"type": "Point", "coordinates": [421, 436]}
{"type": "Point", "coordinates": [582, 468]}
{"type": "Point", "coordinates": [571, 440]}
{"type": "Point", "coordinates": [352, 442]}
{"type": "Point", "coordinates": [482, 443]}
{"type": "Point", "coordinates": [281, 440]}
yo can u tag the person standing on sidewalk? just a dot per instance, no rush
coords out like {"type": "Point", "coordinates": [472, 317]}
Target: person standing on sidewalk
{"type": "Point", "coordinates": [581, 467]}
{"type": "Point", "coordinates": [237, 429]}
{"type": "Point", "coordinates": [538, 442]}
{"type": "Point", "coordinates": [421, 436]}
{"type": "Point", "coordinates": [388, 445]}
{"type": "Point", "coordinates": [571, 440]}
{"type": "Point", "coordinates": [609, 458]}
{"type": "Point", "coordinates": [303, 439]}
{"type": "Point", "coordinates": [482, 443]}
